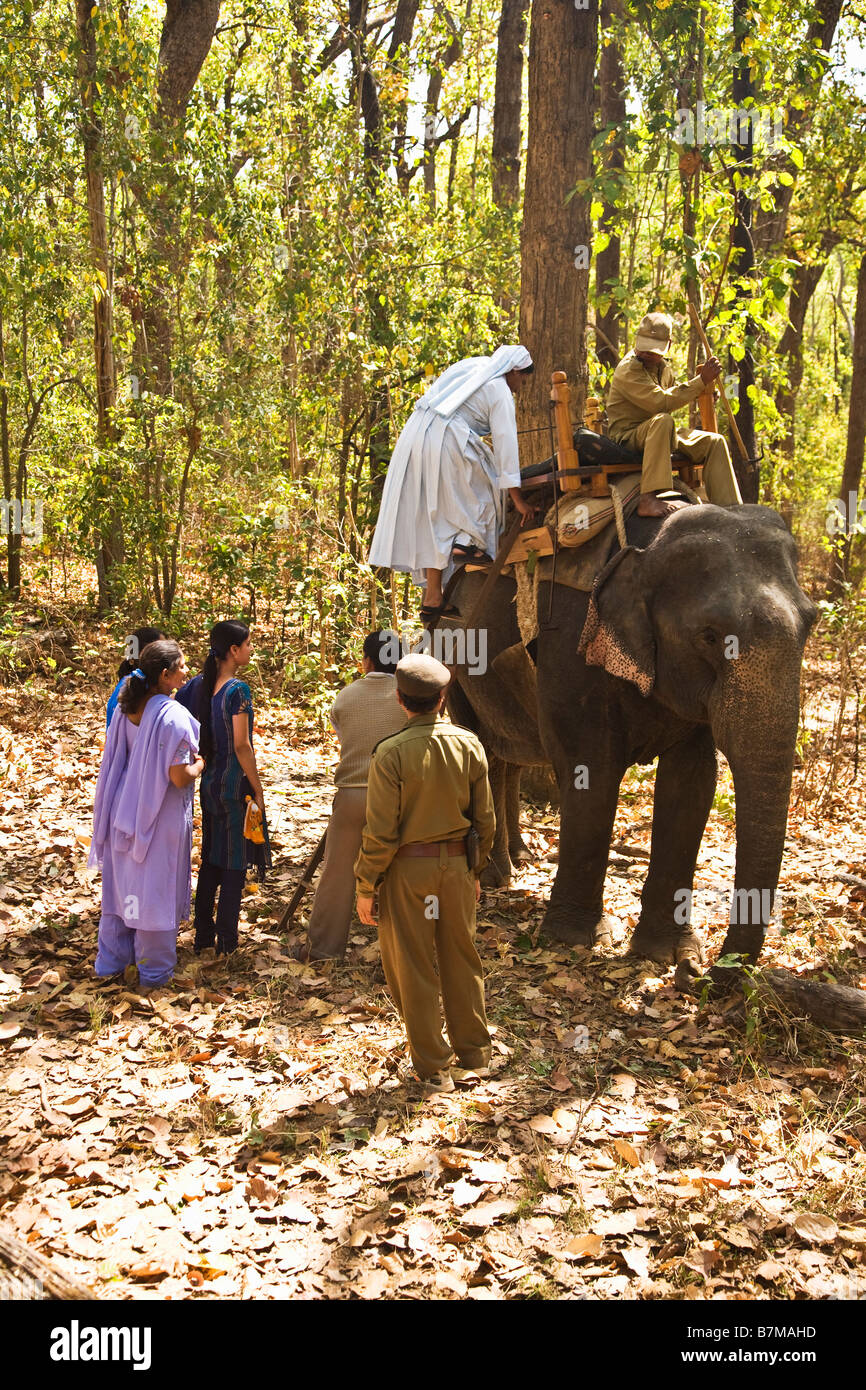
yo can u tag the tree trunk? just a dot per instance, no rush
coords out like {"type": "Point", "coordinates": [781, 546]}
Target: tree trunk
{"type": "Point", "coordinates": [449, 55]}
{"type": "Point", "coordinates": [852, 471]}
{"type": "Point", "coordinates": [110, 552]}
{"type": "Point", "coordinates": [770, 227]}
{"type": "Point", "coordinates": [398, 57]}
{"type": "Point", "coordinates": [507, 102]}
{"type": "Point", "coordinates": [187, 34]}
{"type": "Point", "coordinates": [556, 229]}
{"type": "Point", "coordinates": [375, 157]}
{"type": "Point", "coordinates": [743, 90]}
{"type": "Point", "coordinates": [806, 279]}
{"type": "Point", "coordinates": [611, 101]}
{"type": "Point", "coordinates": [837, 1007]}
{"type": "Point", "coordinates": [13, 538]}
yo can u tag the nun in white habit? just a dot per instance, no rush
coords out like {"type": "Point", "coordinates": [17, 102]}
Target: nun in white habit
{"type": "Point", "coordinates": [444, 495]}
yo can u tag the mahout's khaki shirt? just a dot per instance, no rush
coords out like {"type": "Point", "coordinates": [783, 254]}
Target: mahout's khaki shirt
{"type": "Point", "coordinates": [420, 785]}
{"type": "Point", "coordinates": [637, 393]}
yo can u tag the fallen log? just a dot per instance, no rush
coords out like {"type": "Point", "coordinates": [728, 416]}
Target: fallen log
{"type": "Point", "coordinates": [838, 1008]}
{"type": "Point", "coordinates": [28, 1269]}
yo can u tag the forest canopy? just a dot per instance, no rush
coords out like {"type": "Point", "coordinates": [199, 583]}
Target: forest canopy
{"type": "Point", "coordinates": [238, 240]}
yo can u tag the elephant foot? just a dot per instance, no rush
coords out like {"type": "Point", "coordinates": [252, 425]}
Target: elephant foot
{"type": "Point", "coordinates": [718, 983]}
{"type": "Point", "coordinates": [496, 874]}
{"type": "Point", "coordinates": [577, 931]}
{"type": "Point", "coordinates": [667, 946]}
{"type": "Point", "coordinates": [519, 852]}
{"type": "Point", "coordinates": [689, 978]}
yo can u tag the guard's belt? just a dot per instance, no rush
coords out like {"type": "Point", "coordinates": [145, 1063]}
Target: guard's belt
{"type": "Point", "coordinates": [417, 850]}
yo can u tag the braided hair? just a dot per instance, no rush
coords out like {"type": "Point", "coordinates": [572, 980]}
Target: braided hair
{"type": "Point", "coordinates": [156, 657]}
{"type": "Point", "coordinates": [135, 644]}
{"type": "Point", "coordinates": [223, 636]}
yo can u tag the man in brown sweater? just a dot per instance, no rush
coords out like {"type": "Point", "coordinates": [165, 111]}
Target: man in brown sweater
{"type": "Point", "coordinates": [642, 397]}
{"type": "Point", "coordinates": [362, 714]}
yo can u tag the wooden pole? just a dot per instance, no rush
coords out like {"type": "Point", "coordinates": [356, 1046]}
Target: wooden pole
{"type": "Point", "coordinates": [305, 880]}
{"type": "Point", "coordinates": [709, 352]}
{"type": "Point", "coordinates": [707, 408]}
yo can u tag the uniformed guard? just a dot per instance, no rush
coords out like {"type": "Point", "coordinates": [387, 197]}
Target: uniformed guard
{"type": "Point", "coordinates": [427, 793]}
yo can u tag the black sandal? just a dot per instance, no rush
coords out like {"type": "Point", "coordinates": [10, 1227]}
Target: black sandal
{"type": "Point", "coordinates": [431, 614]}
{"type": "Point", "coordinates": [470, 555]}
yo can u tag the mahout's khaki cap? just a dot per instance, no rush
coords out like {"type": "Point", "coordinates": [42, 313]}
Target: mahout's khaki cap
{"type": "Point", "coordinates": [654, 333]}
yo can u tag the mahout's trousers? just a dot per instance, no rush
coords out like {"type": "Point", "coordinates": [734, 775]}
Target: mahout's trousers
{"type": "Point", "coordinates": [659, 437]}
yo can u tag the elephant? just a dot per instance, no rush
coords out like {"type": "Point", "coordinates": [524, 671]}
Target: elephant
{"type": "Point", "coordinates": [509, 847]}
{"type": "Point", "coordinates": [692, 640]}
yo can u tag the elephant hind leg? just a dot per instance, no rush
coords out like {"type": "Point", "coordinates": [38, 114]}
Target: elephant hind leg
{"type": "Point", "coordinates": [519, 852]}
{"type": "Point", "coordinates": [498, 870]}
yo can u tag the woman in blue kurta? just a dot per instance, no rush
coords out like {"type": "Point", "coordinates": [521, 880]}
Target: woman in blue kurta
{"type": "Point", "coordinates": [230, 776]}
{"type": "Point", "coordinates": [135, 645]}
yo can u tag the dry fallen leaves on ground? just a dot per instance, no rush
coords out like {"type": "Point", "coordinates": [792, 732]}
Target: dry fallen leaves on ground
{"type": "Point", "coordinates": [253, 1132]}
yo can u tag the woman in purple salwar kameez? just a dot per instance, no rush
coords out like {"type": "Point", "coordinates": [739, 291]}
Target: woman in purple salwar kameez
{"type": "Point", "coordinates": [142, 820]}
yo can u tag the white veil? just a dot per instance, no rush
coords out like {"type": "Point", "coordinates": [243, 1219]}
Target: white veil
{"type": "Point", "coordinates": [457, 384]}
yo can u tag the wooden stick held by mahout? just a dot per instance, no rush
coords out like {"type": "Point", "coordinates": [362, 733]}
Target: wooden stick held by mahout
{"type": "Point", "coordinates": [735, 431]}
{"type": "Point", "coordinates": [707, 408]}
{"type": "Point", "coordinates": [303, 883]}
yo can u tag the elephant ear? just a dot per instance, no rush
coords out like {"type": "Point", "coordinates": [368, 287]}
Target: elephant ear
{"type": "Point", "coordinates": [617, 633]}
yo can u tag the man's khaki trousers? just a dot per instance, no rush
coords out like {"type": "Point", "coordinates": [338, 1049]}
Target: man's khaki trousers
{"type": "Point", "coordinates": [331, 913]}
{"type": "Point", "coordinates": [658, 437]}
{"type": "Point", "coordinates": [427, 915]}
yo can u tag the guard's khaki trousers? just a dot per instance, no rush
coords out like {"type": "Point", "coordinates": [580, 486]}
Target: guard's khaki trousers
{"type": "Point", "coordinates": [658, 437]}
{"type": "Point", "coordinates": [427, 915]}
{"type": "Point", "coordinates": [331, 914]}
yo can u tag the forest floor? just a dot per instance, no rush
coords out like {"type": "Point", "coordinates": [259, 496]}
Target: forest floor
{"type": "Point", "coordinates": [254, 1132]}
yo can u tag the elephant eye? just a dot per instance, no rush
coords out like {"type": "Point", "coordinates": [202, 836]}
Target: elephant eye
{"type": "Point", "coordinates": [709, 636]}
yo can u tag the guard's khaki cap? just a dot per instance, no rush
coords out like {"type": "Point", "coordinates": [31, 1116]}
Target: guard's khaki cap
{"type": "Point", "coordinates": [654, 333]}
{"type": "Point", "coordinates": [421, 676]}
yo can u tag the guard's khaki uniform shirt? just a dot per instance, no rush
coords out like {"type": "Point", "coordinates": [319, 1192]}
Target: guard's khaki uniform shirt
{"type": "Point", "coordinates": [637, 392]}
{"type": "Point", "coordinates": [420, 784]}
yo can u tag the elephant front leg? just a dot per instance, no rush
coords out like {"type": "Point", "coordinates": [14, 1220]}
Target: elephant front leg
{"type": "Point", "coordinates": [589, 790]}
{"type": "Point", "coordinates": [685, 784]}
{"type": "Point", "coordinates": [498, 869]}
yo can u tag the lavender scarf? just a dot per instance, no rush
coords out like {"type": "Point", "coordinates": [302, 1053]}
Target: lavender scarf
{"type": "Point", "coordinates": [130, 818]}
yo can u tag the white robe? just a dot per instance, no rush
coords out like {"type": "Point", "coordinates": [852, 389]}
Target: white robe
{"type": "Point", "coordinates": [444, 484]}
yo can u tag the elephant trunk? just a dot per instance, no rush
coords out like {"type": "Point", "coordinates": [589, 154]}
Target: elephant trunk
{"type": "Point", "coordinates": [759, 744]}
